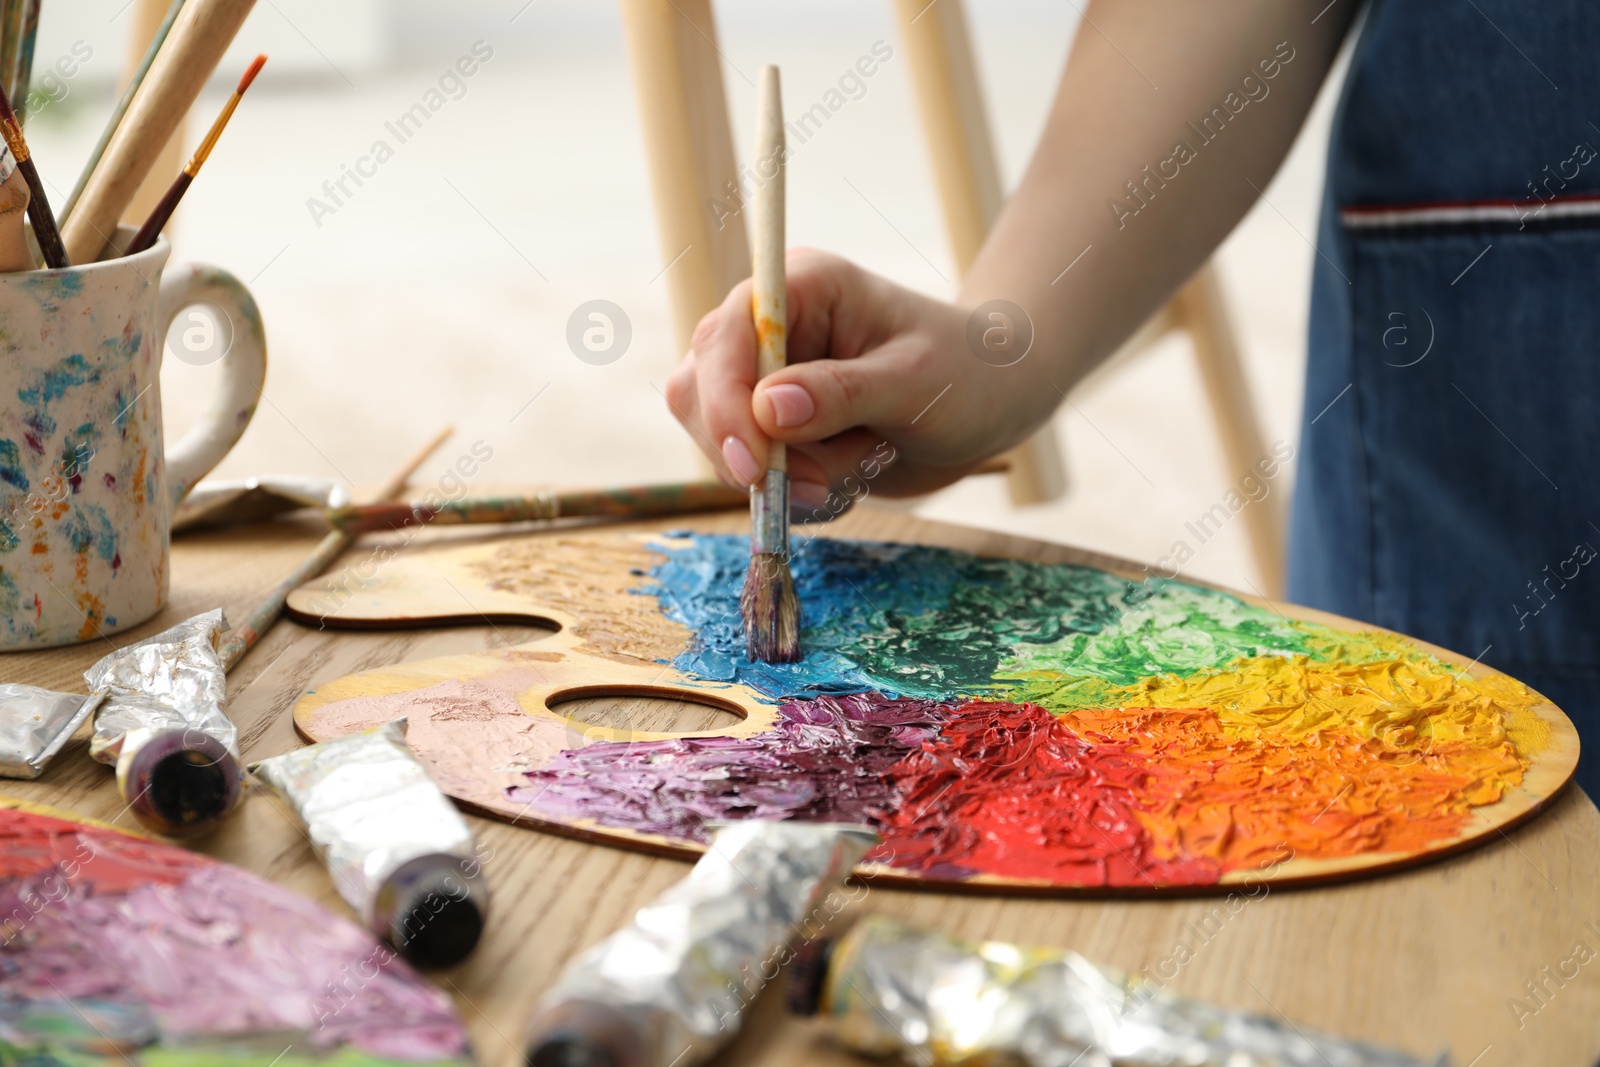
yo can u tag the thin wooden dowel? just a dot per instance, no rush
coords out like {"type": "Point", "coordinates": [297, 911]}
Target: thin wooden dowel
{"type": "Point", "coordinates": [244, 636]}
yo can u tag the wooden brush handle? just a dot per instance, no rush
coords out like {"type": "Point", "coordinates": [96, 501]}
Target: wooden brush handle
{"type": "Point", "coordinates": [769, 298]}
{"type": "Point", "coordinates": [193, 48]}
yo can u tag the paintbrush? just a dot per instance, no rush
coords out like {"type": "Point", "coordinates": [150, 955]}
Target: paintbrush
{"type": "Point", "coordinates": [244, 636]}
{"type": "Point", "coordinates": [14, 252]}
{"type": "Point", "coordinates": [198, 38]}
{"type": "Point", "coordinates": [12, 14]}
{"type": "Point", "coordinates": [769, 606]}
{"type": "Point", "coordinates": [163, 211]}
{"type": "Point", "coordinates": [23, 75]}
{"type": "Point", "coordinates": [122, 107]}
{"type": "Point", "coordinates": [44, 223]}
{"type": "Point", "coordinates": [631, 502]}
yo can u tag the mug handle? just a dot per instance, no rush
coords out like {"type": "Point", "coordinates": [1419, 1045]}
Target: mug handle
{"type": "Point", "coordinates": [244, 370]}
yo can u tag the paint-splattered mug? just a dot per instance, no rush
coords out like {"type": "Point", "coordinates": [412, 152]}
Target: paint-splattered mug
{"type": "Point", "coordinates": [86, 487]}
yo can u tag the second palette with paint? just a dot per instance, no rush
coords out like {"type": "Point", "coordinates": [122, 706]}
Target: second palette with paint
{"type": "Point", "coordinates": [1001, 722]}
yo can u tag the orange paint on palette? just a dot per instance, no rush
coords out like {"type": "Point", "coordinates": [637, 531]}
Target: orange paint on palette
{"type": "Point", "coordinates": [1240, 801]}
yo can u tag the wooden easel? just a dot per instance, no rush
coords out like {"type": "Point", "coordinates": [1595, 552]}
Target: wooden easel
{"type": "Point", "coordinates": [684, 114]}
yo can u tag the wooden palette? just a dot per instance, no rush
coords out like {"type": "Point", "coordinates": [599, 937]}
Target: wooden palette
{"type": "Point", "coordinates": [483, 721]}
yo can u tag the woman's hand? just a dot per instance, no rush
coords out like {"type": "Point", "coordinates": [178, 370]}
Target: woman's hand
{"type": "Point", "coordinates": [881, 390]}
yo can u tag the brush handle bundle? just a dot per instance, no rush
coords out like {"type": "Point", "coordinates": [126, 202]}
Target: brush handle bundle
{"type": "Point", "coordinates": [769, 502]}
{"type": "Point", "coordinates": [194, 46]}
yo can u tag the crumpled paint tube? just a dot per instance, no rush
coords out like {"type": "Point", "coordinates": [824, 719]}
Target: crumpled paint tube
{"type": "Point", "coordinates": [161, 724]}
{"type": "Point", "coordinates": [34, 724]}
{"type": "Point", "coordinates": [398, 851]}
{"type": "Point", "coordinates": [889, 989]}
{"type": "Point", "coordinates": [234, 502]}
{"type": "Point", "coordinates": [667, 990]}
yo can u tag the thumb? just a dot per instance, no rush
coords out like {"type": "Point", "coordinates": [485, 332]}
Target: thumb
{"type": "Point", "coordinates": [819, 398]}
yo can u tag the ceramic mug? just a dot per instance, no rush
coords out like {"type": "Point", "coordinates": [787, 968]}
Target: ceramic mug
{"type": "Point", "coordinates": [86, 487]}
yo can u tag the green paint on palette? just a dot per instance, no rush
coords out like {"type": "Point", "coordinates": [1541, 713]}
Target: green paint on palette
{"type": "Point", "coordinates": [1175, 629]}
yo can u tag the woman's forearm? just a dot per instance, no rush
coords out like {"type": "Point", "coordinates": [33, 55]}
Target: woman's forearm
{"type": "Point", "coordinates": [1170, 120]}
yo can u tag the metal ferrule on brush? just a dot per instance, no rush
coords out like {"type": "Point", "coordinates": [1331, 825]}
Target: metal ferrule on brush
{"type": "Point", "coordinates": [769, 516]}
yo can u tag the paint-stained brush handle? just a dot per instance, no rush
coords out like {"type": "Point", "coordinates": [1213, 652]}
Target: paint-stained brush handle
{"type": "Point", "coordinates": [633, 502]}
{"type": "Point", "coordinates": [244, 636]}
{"type": "Point", "coordinates": [769, 296]}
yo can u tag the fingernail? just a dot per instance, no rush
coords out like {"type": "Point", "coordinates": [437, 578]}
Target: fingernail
{"type": "Point", "coordinates": [740, 460]}
{"type": "Point", "coordinates": [808, 494]}
{"type": "Point", "coordinates": [791, 404]}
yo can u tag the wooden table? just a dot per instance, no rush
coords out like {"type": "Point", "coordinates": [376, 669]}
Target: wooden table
{"type": "Point", "coordinates": [1424, 960]}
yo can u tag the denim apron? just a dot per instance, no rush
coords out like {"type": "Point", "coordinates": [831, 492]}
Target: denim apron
{"type": "Point", "coordinates": [1448, 481]}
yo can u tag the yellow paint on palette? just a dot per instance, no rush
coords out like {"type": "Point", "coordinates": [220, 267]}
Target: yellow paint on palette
{"type": "Point", "coordinates": [1378, 687]}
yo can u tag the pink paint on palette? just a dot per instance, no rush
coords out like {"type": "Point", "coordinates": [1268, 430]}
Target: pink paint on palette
{"type": "Point", "coordinates": [117, 944]}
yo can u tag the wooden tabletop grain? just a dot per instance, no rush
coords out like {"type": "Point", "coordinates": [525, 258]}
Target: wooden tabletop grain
{"type": "Point", "coordinates": [1478, 953]}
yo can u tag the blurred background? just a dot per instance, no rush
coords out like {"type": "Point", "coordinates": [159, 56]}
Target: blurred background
{"type": "Point", "coordinates": [439, 291]}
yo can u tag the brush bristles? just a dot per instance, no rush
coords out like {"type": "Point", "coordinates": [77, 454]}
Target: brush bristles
{"type": "Point", "coordinates": [771, 610]}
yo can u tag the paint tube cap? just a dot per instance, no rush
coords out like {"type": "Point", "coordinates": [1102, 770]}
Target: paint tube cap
{"type": "Point", "coordinates": [431, 910]}
{"type": "Point", "coordinates": [180, 783]}
{"type": "Point", "coordinates": [583, 1033]}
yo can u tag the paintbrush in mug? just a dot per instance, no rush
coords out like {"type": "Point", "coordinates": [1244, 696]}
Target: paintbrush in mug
{"type": "Point", "coordinates": [22, 73]}
{"type": "Point", "coordinates": [631, 502]}
{"type": "Point", "coordinates": [121, 109]}
{"type": "Point", "coordinates": [768, 605]}
{"type": "Point", "coordinates": [44, 223]}
{"type": "Point", "coordinates": [198, 37]}
{"type": "Point", "coordinates": [162, 212]}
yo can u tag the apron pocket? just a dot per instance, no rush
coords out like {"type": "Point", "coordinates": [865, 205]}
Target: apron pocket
{"type": "Point", "coordinates": [1477, 388]}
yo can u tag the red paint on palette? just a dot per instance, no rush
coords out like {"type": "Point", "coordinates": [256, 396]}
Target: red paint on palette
{"type": "Point", "coordinates": [1007, 790]}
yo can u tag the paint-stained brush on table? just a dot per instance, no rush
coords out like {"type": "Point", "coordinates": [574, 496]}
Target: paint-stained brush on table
{"type": "Point", "coordinates": [162, 212]}
{"type": "Point", "coordinates": [769, 605]}
{"type": "Point", "coordinates": [260, 620]}
{"type": "Point", "coordinates": [632, 502]}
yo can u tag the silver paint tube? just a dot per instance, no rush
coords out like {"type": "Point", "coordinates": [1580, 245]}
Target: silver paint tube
{"type": "Point", "coordinates": [668, 989]}
{"type": "Point", "coordinates": [160, 723]}
{"type": "Point", "coordinates": [398, 851]}
{"type": "Point", "coordinates": [34, 725]}
{"type": "Point", "coordinates": [217, 503]}
{"type": "Point", "coordinates": [889, 989]}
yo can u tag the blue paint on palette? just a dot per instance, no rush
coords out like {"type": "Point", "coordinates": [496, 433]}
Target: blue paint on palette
{"type": "Point", "coordinates": [904, 620]}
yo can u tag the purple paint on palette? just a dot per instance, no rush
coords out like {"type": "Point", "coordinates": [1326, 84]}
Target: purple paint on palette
{"type": "Point", "coordinates": [827, 760]}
